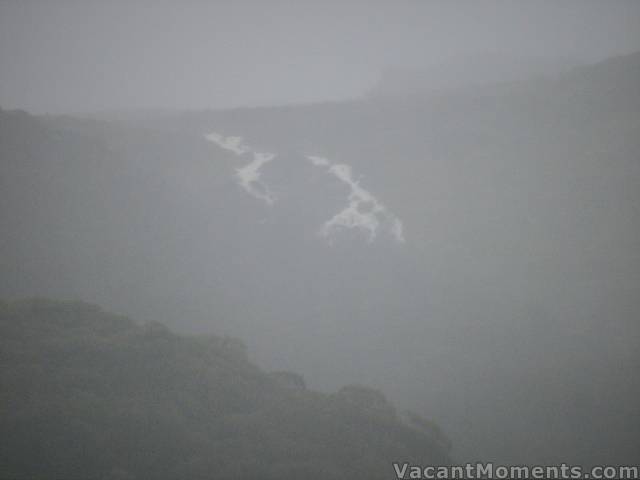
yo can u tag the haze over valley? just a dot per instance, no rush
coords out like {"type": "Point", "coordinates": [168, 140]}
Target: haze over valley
{"type": "Point", "coordinates": [446, 221]}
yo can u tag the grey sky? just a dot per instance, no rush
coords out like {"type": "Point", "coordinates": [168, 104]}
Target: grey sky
{"type": "Point", "coordinates": [65, 56]}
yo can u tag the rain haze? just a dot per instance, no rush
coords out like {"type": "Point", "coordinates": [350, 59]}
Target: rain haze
{"type": "Point", "coordinates": [73, 56]}
{"type": "Point", "coordinates": [324, 240]}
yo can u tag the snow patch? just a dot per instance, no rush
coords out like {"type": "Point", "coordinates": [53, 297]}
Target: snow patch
{"type": "Point", "coordinates": [363, 211]}
{"type": "Point", "coordinates": [248, 177]}
{"type": "Point", "coordinates": [233, 144]}
{"type": "Point", "coordinates": [318, 161]}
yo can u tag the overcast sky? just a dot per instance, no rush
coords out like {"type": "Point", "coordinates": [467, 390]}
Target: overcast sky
{"type": "Point", "coordinates": [69, 56]}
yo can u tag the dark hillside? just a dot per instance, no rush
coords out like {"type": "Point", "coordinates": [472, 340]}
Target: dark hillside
{"type": "Point", "coordinates": [90, 395]}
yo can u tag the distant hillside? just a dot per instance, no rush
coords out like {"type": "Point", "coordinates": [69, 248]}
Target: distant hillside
{"type": "Point", "coordinates": [467, 71]}
{"type": "Point", "coordinates": [90, 395]}
{"type": "Point", "coordinates": [515, 295]}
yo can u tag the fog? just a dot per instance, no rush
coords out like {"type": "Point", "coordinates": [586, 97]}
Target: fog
{"type": "Point", "coordinates": [435, 200]}
{"type": "Point", "coordinates": [73, 56]}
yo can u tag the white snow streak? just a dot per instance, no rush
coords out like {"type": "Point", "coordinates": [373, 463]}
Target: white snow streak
{"type": "Point", "coordinates": [318, 161]}
{"type": "Point", "coordinates": [363, 210]}
{"type": "Point", "coordinates": [248, 177]}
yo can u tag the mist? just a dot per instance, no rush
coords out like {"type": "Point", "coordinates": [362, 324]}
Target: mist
{"type": "Point", "coordinates": [266, 229]}
{"type": "Point", "coordinates": [71, 56]}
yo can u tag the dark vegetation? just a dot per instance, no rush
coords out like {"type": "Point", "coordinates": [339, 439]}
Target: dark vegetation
{"type": "Point", "coordinates": [86, 394]}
